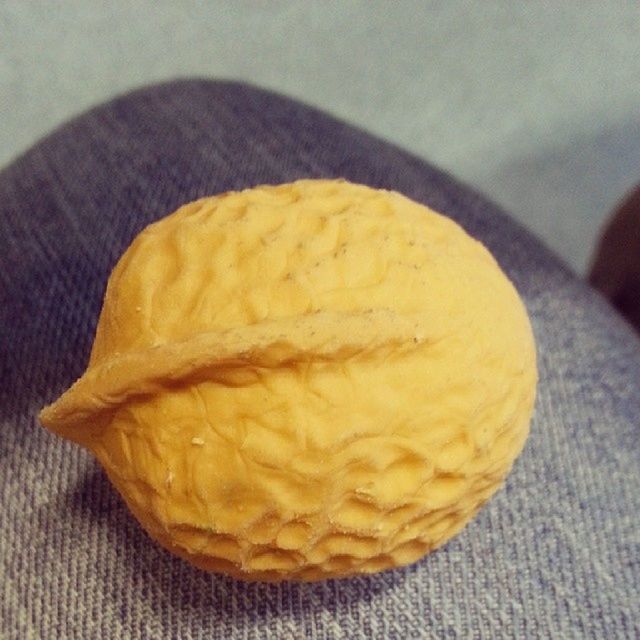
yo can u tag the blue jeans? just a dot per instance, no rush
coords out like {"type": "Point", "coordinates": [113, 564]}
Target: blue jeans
{"type": "Point", "coordinates": [556, 553]}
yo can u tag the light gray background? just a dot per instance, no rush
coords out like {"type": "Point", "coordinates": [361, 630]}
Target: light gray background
{"type": "Point", "coordinates": [537, 104]}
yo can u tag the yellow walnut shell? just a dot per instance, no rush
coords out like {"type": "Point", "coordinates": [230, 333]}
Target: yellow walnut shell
{"type": "Point", "coordinates": [304, 381]}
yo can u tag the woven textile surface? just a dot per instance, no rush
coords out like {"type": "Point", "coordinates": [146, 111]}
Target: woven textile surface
{"type": "Point", "coordinates": [556, 553]}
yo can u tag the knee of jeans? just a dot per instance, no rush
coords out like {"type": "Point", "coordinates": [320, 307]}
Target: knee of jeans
{"type": "Point", "coordinates": [191, 91]}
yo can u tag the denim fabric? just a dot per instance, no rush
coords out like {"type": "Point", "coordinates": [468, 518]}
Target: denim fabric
{"type": "Point", "coordinates": [555, 554]}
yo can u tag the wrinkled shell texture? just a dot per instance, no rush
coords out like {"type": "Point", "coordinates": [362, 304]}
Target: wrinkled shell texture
{"type": "Point", "coordinates": [369, 442]}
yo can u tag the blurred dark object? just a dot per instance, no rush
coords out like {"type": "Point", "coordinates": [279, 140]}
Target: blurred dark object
{"type": "Point", "coordinates": [615, 270]}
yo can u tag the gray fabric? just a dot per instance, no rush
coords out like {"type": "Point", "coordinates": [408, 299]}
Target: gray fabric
{"type": "Point", "coordinates": [554, 554]}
